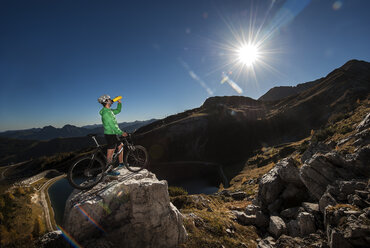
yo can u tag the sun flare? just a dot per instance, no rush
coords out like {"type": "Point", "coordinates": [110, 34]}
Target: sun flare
{"type": "Point", "coordinates": [248, 54]}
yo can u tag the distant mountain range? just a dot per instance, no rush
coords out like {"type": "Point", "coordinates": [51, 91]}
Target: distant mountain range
{"type": "Point", "coordinates": [68, 131]}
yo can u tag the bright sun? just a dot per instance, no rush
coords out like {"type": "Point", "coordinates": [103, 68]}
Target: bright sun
{"type": "Point", "coordinates": [248, 54]}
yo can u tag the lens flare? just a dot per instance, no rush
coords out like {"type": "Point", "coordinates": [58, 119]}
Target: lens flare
{"type": "Point", "coordinates": [337, 5]}
{"type": "Point", "coordinates": [68, 237]}
{"type": "Point", "coordinates": [194, 76]}
{"type": "Point", "coordinates": [96, 224]}
{"type": "Point", "coordinates": [235, 86]}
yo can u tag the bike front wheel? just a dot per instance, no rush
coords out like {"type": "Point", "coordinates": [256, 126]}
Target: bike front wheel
{"type": "Point", "coordinates": [136, 158]}
{"type": "Point", "coordinates": [86, 172]}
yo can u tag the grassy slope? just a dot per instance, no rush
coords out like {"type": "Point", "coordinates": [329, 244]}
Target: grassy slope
{"type": "Point", "coordinates": [21, 221]}
{"type": "Point", "coordinates": [208, 229]}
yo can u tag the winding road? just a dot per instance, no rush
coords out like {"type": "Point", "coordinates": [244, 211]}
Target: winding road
{"type": "Point", "coordinates": [8, 167]}
{"type": "Point", "coordinates": [44, 198]}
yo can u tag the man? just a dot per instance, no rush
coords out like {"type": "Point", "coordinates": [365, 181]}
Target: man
{"type": "Point", "coordinates": [111, 129]}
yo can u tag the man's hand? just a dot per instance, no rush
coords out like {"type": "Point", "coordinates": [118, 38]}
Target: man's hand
{"type": "Point", "coordinates": [124, 134]}
{"type": "Point", "coordinates": [119, 101]}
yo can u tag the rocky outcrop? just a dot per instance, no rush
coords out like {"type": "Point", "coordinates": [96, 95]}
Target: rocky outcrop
{"type": "Point", "coordinates": [281, 188]}
{"type": "Point", "coordinates": [347, 226]}
{"type": "Point", "coordinates": [270, 187]}
{"type": "Point", "coordinates": [52, 239]}
{"type": "Point", "coordinates": [328, 198]}
{"type": "Point", "coordinates": [132, 211]}
{"type": "Point", "coordinates": [313, 149]}
{"type": "Point", "coordinates": [323, 170]}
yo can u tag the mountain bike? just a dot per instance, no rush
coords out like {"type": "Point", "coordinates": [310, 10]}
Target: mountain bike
{"type": "Point", "coordinates": [89, 170]}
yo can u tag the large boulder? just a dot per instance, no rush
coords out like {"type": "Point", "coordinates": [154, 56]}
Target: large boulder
{"type": "Point", "coordinates": [322, 170]}
{"type": "Point", "coordinates": [293, 228]}
{"type": "Point", "coordinates": [277, 226]}
{"type": "Point", "coordinates": [289, 171]}
{"type": "Point", "coordinates": [270, 187]}
{"type": "Point", "coordinates": [314, 148]}
{"type": "Point", "coordinates": [132, 211]}
{"type": "Point", "coordinates": [306, 222]}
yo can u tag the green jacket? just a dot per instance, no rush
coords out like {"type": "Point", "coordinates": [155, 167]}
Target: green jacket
{"type": "Point", "coordinates": [109, 120]}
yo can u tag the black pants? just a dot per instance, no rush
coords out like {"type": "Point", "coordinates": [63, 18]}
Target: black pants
{"type": "Point", "coordinates": [112, 140]}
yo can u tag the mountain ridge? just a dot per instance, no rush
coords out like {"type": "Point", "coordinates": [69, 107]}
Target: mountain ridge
{"type": "Point", "coordinates": [279, 92]}
{"type": "Point", "coordinates": [67, 131]}
{"type": "Point", "coordinates": [246, 124]}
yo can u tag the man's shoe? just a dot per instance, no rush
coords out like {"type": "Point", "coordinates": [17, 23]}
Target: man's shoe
{"type": "Point", "coordinates": [113, 173]}
{"type": "Point", "coordinates": [120, 166]}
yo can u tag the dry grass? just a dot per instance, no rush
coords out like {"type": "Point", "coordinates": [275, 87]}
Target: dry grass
{"type": "Point", "coordinates": [212, 221]}
{"type": "Point", "coordinates": [21, 220]}
{"type": "Point", "coordinates": [198, 114]}
{"type": "Point", "coordinates": [338, 206]}
{"type": "Point", "coordinates": [262, 162]}
{"type": "Point", "coordinates": [350, 123]}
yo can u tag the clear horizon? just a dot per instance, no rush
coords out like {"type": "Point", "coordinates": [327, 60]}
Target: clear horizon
{"type": "Point", "coordinates": [164, 57]}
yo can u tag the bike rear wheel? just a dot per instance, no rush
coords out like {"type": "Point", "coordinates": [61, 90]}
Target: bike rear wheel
{"type": "Point", "coordinates": [136, 158]}
{"type": "Point", "coordinates": [86, 172]}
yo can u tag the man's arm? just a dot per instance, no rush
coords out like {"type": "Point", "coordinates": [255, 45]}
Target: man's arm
{"type": "Point", "coordinates": [109, 122]}
{"type": "Point", "coordinates": [118, 109]}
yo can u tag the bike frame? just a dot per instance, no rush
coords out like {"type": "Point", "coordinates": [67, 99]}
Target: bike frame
{"type": "Point", "coordinates": [125, 143]}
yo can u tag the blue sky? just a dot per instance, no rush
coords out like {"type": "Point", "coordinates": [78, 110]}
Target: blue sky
{"type": "Point", "coordinates": [163, 57]}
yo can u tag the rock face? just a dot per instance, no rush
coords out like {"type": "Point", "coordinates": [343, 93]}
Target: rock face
{"type": "Point", "coordinates": [306, 222]}
{"type": "Point", "coordinates": [131, 211]}
{"type": "Point", "coordinates": [51, 240]}
{"type": "Point", "coordinates": [331, 192]}
{"type": "Point", "coordinates": [323, 170]}
{"type": "Point", "coordinates": [347, 227]}
{"type": "Point", "coordinates": [313, 149]}
{"type": "Point", "coordinates": [281, 187]}
{"type": "Point", "coordinates": [270, 187]}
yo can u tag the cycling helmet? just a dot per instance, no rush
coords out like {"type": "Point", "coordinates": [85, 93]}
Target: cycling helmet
{"type": "Point", "coordinates": [103, 99]}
